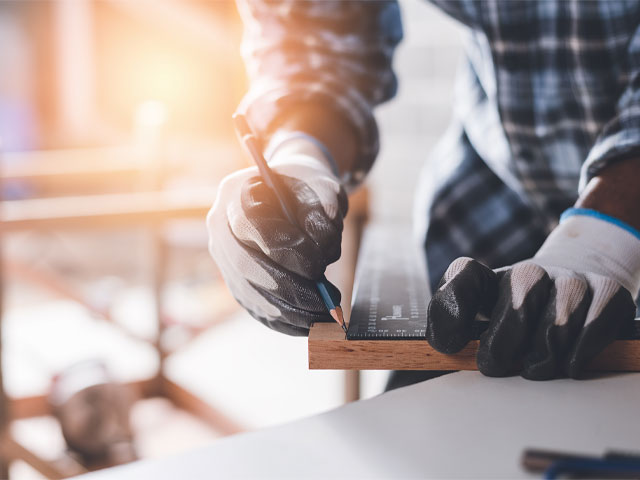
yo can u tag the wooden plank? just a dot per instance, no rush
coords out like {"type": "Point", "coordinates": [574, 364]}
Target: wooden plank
{"type": "Point", "coordinates": [38, 405]}
{"type": "Point", "coordinates": [62, 467]}
{"type": "Point", "coordinates": [67, 176]}
{"type": "Point", "coordinates": [83, 171]}
{"type": "Point", "coordinates": [103, 211]}
{"type": "Point", "coordinates": [73, 161]}
{"type": "Point", "coordinates": [184, 399]}
{"type": "Point", "coordinates": [330, 350]}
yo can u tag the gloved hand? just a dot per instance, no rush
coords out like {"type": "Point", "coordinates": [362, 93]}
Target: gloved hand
{"type": "Point", "coordinates": [269, 264]}
{"type": "Point", "coordinates": [549, 315]}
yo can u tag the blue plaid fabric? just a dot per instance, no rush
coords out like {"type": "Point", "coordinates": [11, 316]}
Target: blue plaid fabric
{"type": "Point", "coordinates": [467, 210]}
{"type": "Point", "coordinates": [548, 96]}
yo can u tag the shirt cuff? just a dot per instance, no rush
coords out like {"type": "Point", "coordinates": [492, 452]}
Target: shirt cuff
{"type": "Point", "coordinates": [264, 109]}
{"type": "Point", "coordinates": [619, 140]}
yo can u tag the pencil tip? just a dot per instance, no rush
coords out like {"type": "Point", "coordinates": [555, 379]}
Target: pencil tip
{"type": "Point", "coordinates": [340, 316]}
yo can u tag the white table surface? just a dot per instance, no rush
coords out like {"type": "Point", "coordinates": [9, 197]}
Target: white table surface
{"type": "Point", "coordinates": [459, 425]}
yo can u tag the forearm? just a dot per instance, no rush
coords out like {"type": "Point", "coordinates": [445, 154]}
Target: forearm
{"type": "Point", "coordinates": [615, 192]}
{"type": "Point", "coordinates": [321, 67]}
{"type": "Point", "coordinates": [328, 127]}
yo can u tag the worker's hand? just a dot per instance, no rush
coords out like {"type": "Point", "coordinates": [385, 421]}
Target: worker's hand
{"type": "Point", "coordinates": [269, 264]}
{"type": "Point", "coordinates": [549, 315]}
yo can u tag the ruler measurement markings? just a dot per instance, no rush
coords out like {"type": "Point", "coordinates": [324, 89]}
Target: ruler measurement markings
{"type": "Point", "coordinates": [390, 301]}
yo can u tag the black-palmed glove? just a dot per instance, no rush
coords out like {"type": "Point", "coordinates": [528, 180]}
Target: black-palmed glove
{"type": "Point", "coordinates": [549, 315]}
{"type": "Point", "coordinates": [269, 264]}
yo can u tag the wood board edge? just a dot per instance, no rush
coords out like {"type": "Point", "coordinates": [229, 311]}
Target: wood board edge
{"type": "Point", "coordinates": [328, 349]}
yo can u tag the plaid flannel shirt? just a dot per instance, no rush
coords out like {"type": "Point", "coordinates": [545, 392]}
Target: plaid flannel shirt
{"type": "Point", "coordinates": [548, 96]}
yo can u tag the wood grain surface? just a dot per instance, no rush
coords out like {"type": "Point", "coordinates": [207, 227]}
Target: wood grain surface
{"type": "Point", "coordinates": [330, 350]}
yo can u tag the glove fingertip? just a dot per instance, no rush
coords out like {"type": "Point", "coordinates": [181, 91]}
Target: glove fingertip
{"type": "Point", "coordinates": [546, 370]}
{"type": "Point", "coordinates": [446, 332]}
{"type": "Point", "coordinates": [491, 366]}
{"type": "Point", "coordinates": [461, 294]}
{"type": "Point", "coordinates": [599, 332]}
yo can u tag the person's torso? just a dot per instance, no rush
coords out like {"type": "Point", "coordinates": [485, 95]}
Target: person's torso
{"type": "Point", "coordinates": [542, 79]}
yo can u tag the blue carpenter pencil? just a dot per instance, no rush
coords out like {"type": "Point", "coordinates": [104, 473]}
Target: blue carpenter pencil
{"type": "Point", "coordinates": [250, 142]}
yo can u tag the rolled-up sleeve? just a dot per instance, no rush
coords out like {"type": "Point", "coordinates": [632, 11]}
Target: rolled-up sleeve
{"type": "Point", "coordinates": [334, 53]}
{"type": "Point", "coordinates": [620, 136]}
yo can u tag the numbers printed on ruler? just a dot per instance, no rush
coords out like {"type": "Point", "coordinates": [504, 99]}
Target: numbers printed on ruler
{"type": "Point", "coordinates": [391, 294]}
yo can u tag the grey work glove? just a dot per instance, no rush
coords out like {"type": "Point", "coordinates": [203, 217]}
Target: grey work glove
{"type": "Point", "coordinates": [549, 316]}
{"type": "Point", "coordinates": [269, 264]}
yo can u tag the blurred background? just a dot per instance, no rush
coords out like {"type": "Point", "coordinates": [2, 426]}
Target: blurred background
{"type": "Point", "coordinates": [119, 339]}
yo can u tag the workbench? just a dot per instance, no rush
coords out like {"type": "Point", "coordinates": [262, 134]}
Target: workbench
{"type": "Point", "coordinates": [462, 425]}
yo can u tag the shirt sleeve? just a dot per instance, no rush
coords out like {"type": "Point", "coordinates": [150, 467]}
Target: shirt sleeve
{"type": "Point", "coordinates": [334, 53]}
{"type": "Point", "coordinates": [620, 136]}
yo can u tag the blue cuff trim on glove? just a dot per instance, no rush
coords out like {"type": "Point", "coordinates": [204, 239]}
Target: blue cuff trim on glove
{"type": "Point", "coordinates": [321, 146]}
{"type": "Point", "coordinates": [600, 216]}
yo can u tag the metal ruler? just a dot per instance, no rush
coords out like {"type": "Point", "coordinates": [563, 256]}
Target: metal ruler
{"type": "Point", "coordinates": [391, 292]}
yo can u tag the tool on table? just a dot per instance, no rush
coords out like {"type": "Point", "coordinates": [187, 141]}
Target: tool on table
{"type": "Point", "coordinates": [611, 465]}
{"type": "Point", "coordinates": [250, 142]}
